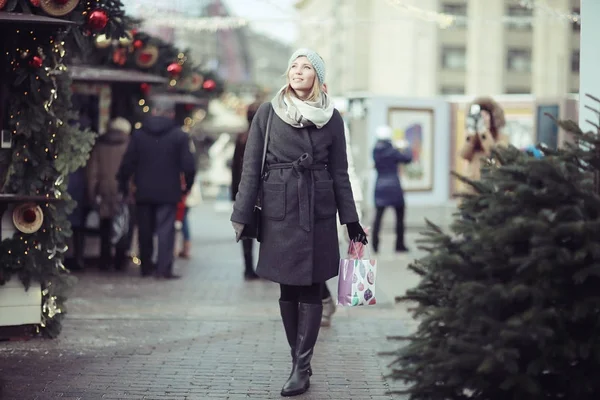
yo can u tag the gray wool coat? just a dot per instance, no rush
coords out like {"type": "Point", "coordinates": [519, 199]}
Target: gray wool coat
{"type": "Point", "coordinates": [305, 185]}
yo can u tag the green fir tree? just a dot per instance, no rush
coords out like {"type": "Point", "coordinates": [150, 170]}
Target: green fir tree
{"type": "Point", "coordinates": [509, 305]}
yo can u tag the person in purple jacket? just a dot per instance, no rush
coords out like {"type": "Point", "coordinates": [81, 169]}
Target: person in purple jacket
{"type": "Point", "coordinates": [388, 190]}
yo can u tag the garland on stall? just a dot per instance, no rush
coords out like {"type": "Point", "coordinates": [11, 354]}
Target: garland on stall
{"type": "Point", "coordinates": [46, 143]}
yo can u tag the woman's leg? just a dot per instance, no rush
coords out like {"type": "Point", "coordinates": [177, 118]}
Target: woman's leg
{"type": "Point", "coordinates": [328, 306]}
{"type": "Point", "coordinates": [310, 309]}
{"type": "Point", "coordinates": [400, 229]}
{"type": "Point", "coordinates": [185, 231]}
{"type": "Point", "coordinates": [377, 227]}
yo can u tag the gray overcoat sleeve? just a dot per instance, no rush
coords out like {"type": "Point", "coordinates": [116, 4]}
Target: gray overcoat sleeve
{"type": "Point", "coordinates": [245, 199]}
{"type": "Point", "coordinates": [338, 168]}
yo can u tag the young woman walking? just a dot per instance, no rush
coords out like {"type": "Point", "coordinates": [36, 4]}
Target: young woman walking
{"type": "Point", "coordinates": [304, 184]}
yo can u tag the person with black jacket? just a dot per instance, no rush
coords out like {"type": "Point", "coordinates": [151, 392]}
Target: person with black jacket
{"type": "Point", "coordinates": [236, 176]}
{"type": "Point", "coordinates": [158, 153]}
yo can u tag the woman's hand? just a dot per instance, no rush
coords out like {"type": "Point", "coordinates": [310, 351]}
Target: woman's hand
{"type": "Point", "coordinates": [356, 233]}
{"type": "Point", "coordinates": [238, 228]}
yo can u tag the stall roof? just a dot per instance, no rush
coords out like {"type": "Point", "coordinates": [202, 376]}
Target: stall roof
{"type": "Point", "coordinates": [19, 18]}
{"type": "Point", "coordinates": [181, 98]}
{"type": "Point", "coordinates": [84, 73]}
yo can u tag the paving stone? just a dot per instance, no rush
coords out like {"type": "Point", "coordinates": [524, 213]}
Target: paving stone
{"type": "Point", "coordinates": [210, 335]}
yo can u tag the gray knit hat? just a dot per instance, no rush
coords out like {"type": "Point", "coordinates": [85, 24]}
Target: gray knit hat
{"type": "Point", "coordinates": [315, 59]}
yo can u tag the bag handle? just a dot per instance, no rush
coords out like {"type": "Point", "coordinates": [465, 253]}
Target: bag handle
{"type": "Point", "coordinates": [264, 156]}
{"type": "Point", "coordinates": [356, 252]}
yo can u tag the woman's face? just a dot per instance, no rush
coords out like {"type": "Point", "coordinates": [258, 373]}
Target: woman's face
{"type": "Point", "coordinates": [301, 75]}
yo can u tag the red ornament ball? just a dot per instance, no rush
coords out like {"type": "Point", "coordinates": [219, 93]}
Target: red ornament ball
{"type": "Point", "coordinates": [174, 69]}
{"type": "Point", "coordinates": [138, 44]}
{"type": "Point", "coordinates": [35, 3]}
{"type": "Point", "coordinates": [145, 88]}
{"type": "Point", "coordinates": [29, 216]}
{"type": "Point", "coordinates": [97, 20]}
{"type": "Point", "coordinates": [209, 84]}
{"type": "Point", "coordinates": [36, 61]}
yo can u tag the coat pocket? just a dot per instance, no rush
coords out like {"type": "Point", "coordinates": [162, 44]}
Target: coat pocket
{"type": "Point", "coordinates": [273, 203]}
{"type": "Point", "coordinates": [325, 205]}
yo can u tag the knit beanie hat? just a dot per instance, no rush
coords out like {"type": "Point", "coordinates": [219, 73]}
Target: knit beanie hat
{"type": "Point", "coordinates": [384, 132]}
{"type": "Point", "coordinates": [315, 59]}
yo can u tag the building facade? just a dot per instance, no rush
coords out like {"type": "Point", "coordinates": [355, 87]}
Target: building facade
{"type": "Point", "coordinates": [410, 48]}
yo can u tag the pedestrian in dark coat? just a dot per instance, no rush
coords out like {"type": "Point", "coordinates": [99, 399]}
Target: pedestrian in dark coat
{"type": "Point", "coordinates": [103, 187]}
{"type": "Point", "coordinates": [157, 155]}
{"type": "Point", "coordinates": [388, 189]}
{"type": "Point", "coordinates": [305, 184]}
{"type": "Point", "coordinates": [236, 177]}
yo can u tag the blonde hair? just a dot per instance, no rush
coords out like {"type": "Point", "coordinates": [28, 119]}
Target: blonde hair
{"type": "Point", "coordinates": [315, 92]}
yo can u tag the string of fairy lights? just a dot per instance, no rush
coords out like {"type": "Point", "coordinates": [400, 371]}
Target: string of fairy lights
{"type": "Point", "coordinates": [179, 20]}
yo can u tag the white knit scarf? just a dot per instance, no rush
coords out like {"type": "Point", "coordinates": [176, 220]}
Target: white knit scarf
{"type": "Point", "coordinates": [299, 113]}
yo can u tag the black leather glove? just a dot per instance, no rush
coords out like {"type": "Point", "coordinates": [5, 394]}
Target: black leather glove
{"type": "Point", "coordinates": [356, 233]}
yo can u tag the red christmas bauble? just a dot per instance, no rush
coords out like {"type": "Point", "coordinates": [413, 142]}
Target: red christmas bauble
{"type": "Point", "coordinates": [138, 44]}
{"type": "Point", "coordinates": [3, 3]}
{"type": "Point", "coordinates": [36, 61]}
{"type": "Point", "coordinates": [174, 69]}
{"type": "Point", "coordinates": [145, 88]}
{"type": "Point", "coordinates": [29, 216]}
{"type": "Point", "coordinates": [35, 3]}
{"type": "Point", "coordinates": [97, 20]}
{"type": "Point", "coordinates": [209, 84]}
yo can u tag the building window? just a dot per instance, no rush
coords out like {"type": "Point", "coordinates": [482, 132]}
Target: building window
{"type": "Point", "coordinates": [518, 60]}
{"type": "Point", "coordinates": [522, 18]}
{"type": "Point", "coordinates": [459, 10]}
{"type": "Point", "coordinates": [454, 58]}
{"type": "Point", "coordinates": [452, 90]}
{"type": "Point", "coordinates": [575, 61]}
{"type": "Point", "coordinates": [517, 90]}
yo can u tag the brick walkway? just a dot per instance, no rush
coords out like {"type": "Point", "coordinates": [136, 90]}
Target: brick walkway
{"type": "Point", "coordinates": [208, 336]}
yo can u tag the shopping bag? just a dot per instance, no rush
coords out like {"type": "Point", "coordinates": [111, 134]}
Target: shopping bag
{"type": "Point", "coordinates": [356, 281]}
{"type": "Point", "coordinates": [120, 224]}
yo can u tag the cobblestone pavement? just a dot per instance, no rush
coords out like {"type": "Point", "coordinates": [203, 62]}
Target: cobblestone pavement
{"type": "Point", "coordinates": [210, 335]}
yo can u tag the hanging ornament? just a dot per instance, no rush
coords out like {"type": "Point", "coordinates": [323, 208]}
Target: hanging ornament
{"type": "Point", "coordinates": [194, 82]}
{"type": "Point", "coordinates": [120, 56]}
{"type": "Point", "coordinates": [58, 8]}
{"type": "Point", "coordinates": [97, 20]}
{"type": "Point", "coordinates": [35, 3]}
{"type": "Point", "coordinates": [126, 40]}
{"type": "Point", "coordinates": [102, 41]}
{"type": "Point", "coordinates": [145, 89]}
{"type": "Point", "coordinates": [36, 62]}
{"type": "Point", "coordinates": [174, 69]}
{"type": "Point", "coordinates": [209, 84]}
{"type": "Point", "coordinates": [138, 44]}
{"type": "Point", "coordinates": [28, 217]}
{"type": "Point", "coordinates": [147, 56]}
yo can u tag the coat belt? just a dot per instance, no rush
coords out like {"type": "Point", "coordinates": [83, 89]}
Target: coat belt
{"type": "Point", "coordinates": [303, 169]}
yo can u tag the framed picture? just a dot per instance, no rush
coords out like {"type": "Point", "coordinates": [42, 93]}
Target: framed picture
{"type": "Point", "coordinates": [519, 128]}
{"type": "Point", "coordinates": [547, 130]}
{"type": "Point", "coordinates": [416, 126]}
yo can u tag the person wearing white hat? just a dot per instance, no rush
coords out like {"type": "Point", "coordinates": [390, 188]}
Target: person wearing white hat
{"type": "Point", "coordinates": [388, 189]}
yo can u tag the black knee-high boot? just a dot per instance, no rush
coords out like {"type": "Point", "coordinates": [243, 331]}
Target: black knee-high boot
{"type": "Point", "coordinates": [309, 323]}
{"type": "Point", "coordinates": [289, 316]}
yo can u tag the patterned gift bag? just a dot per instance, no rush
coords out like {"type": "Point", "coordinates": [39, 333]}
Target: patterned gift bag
{"type": "Point", "coordinates": [356, 283]}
